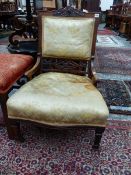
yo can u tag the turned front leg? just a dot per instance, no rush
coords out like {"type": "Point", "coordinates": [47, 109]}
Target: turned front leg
{"type": "Point", "coordinates": [98, 135]}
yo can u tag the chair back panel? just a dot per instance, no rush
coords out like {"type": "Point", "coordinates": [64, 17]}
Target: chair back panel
{"type": "Point", "coordinates": [71, 60]}
{"type": "Point", "coordinates": [69, 38]}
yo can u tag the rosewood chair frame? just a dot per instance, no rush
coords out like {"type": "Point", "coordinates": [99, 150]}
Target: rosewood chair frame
{"type": "Point", "coordinates": [14, 124]}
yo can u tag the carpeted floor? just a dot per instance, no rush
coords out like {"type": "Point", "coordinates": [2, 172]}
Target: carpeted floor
{"type": "Point", "coordinates": [108, 41]}
{"type": "Point", "coordinates": [4, 37]}
{"type": "Point", "coordinates": [113, 96]}
{"type": "Point", "coordinates": [67, 152]}
{"type": "Point", "coordinates": [113, 60]}
{"type": "Point", "coordinates": [116, 95]}
{"type": "Point", "coordinates": [105, 32]}
{"type": "Point", "coordinates": [5, 33]}
{"type": "Point", "coordinates": [128, 83]}
{"type": "Point", "coordinates": [3, 49]}
{"type": "Point", "coordinates": [4, 41]}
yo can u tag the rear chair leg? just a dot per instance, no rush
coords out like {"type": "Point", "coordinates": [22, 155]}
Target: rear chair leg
{"type": "Point", "coordinates": [15, 130]}
{"type": "Point", "coordinates": [3, 100]}
{"type": "Point", "coordinates": [98, 135]}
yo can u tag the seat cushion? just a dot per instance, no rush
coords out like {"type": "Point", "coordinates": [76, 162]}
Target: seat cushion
{"type": "Point", "coordinates": [59, 99]}
{"type": "Point", "coordinates": [12, 67]}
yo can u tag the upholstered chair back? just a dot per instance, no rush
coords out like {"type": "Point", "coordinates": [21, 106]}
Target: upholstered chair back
{"type": "Point", "coordinates": [66, 37]}
{"type": "Point", "coordinates": [69, 38]}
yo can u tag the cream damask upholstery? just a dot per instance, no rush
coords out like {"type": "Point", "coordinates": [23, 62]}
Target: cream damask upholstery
{"type": "Point", "coordinates": [75, 40]}
{"type": "Point", "coordinates": [59, 99]}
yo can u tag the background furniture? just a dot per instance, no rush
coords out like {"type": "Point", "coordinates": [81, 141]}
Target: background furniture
{"type": "Point", "coordinates": [124, 27]}
{"type": "Point", "coordinates": [91, 5]}
{"type": "Point", "coordinates": [26, 29]}
{"type": "Point", "coordinates": [119, 17]}
{"type": "Point", "coordinates": [61, 99]}
{"type": "Point", "coordinates": [8, 9]}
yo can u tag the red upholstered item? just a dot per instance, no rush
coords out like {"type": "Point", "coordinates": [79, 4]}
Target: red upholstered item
{"type": "Point", "coordinates": [12, 67]}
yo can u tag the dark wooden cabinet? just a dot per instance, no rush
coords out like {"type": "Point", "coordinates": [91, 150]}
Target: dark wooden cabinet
{"type": "Point", "coordinates": [91, 5]}
{"type": "Point", "coordinates": [8, 9]}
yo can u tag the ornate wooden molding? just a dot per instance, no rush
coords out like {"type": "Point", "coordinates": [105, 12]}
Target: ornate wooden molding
{"type": "Point", "coordinates": [68, 12]}
{"type": "Point", "coordinates": [27, 30]}
{"type": "Point", "coordinates": [65, 66]}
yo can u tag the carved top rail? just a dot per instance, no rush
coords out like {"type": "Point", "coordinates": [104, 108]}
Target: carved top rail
{"type": "Point", "coordinates": [68, 12]}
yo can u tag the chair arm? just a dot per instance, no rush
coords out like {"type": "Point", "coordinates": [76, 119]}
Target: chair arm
{"type": "Point", "coordinates": [34, 69]}
{"type": "Point", "coordinates": [94, 78]}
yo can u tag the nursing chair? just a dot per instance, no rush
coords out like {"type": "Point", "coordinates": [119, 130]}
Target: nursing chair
{"type": "Point", "coordinates": [61, 99]}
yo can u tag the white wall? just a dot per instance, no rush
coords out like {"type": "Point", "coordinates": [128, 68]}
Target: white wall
{"type": "Point", "coordinates": [22, 3]}
{"type": "Point", "coordinates": [105, 4]}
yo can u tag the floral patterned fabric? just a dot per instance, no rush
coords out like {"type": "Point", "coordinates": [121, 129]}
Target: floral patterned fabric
{"type": "Point", "coordinates": [12, 66]}
{"type": "Point", "coordinates": [68, 38]}
{"type": "Point", "coordinates": [59, 99]}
